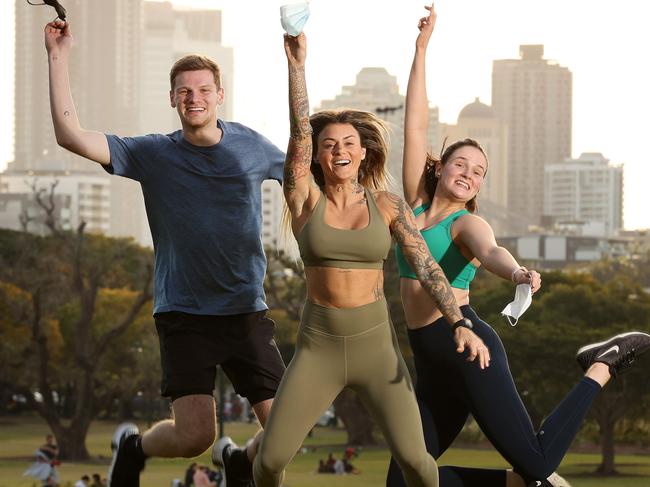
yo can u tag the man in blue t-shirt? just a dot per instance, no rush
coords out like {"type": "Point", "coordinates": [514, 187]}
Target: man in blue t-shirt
{"type": "Point", "coordinates": [202, 191]}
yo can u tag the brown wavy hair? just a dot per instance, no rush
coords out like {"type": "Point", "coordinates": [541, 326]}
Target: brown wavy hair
{"type": "Point", "coordinates": [430, 178]}
{"type": "Point", "coordinates": [373, 133]}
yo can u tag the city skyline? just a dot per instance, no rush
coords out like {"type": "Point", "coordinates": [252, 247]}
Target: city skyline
{"type": "Point", "coordinates": [602, 47]}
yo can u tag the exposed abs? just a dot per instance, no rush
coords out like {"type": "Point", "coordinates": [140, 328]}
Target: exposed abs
{"type": "Point", "coordinates": [344, 288]}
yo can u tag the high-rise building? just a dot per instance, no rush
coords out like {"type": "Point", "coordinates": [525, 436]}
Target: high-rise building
{"type": "Point", "coordinates": [119, 75]}
{"type": "Point", "coordinates": [532, 95]}
{"type": "Point", "coordinates": [105, 84]}
{"type": "Point", "coordinates": [168, 35]}
{"type": "Point", "coordinates": [272, 208]}
{"type": "Point", "coordinates": [478, 121]}
{"type": "Point", "coordinates": [585, 192]}
{"type": "Point", "coordinates": [104, 77]}
{"type": "Point", "coordinates": [377, 91]}
{"type": "Point", "coordinates": [77, 197]}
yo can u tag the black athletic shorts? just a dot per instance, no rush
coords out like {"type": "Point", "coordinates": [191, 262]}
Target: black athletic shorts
{"type": "Point", "coordinates": [191, 346]}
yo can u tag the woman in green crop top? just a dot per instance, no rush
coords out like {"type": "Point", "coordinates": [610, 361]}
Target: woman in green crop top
{"type": "Point", "coordinates": [443, 194]}
{"type": "Point", "coordinates": [343, 219]}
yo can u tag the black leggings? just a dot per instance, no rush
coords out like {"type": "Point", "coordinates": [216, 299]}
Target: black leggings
{"type": "Point", "coordinates": [449, 388]}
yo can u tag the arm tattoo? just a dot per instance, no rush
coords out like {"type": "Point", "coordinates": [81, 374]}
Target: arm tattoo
{"type": "Point", "coordinates": [298, 161]}
{"type": "Point", "coordinates": [294, 165]}
{"type": "Point", "coordinates": [298, 103]}
{"type": "Point", "coordinates": [415, 249]}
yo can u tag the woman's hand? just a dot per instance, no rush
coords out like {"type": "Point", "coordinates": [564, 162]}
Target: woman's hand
{"type": "Point", "coordinates": [524, 276]}
{"type": "Point", "coordinates": [425, 25]}
{"type": "Point", "coordinates": [296, 49]}
{"type": "Point", "coordinates": [466, 338]}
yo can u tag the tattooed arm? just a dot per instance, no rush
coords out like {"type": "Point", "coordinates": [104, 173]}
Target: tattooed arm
{"type": "Point", "coordinates": [298, 180]}
{"type": "Point", "coordinates": [427, 270]}
{"type": "Point", "coordinates": [69, 134]}
{"type": "Point", "coordinates": [431, 276]}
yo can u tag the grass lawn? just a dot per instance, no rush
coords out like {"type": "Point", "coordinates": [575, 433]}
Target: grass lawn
{"type": "Point", "coordinates": [20, 437]}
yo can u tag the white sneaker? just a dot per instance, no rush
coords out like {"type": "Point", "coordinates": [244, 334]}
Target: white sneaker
{"type": "Point", "coordinates": [558, 481]}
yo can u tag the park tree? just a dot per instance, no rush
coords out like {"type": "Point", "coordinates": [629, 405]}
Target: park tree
{"type": "Point", "coordinates": [66, 356]}
{"type": "Point", "coordinates": [571, 310]}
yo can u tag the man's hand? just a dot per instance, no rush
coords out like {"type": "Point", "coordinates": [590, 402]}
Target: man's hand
{"type": "Point", "coordinates": [466, 338]}
{"type": "Point", "coordinates": [58, 38]}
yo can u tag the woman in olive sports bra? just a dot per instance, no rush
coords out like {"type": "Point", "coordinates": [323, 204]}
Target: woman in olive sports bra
{"type": "Point", "coordinates": [443, 195]}
{"type": "Point", "coordinates": [343, 220]}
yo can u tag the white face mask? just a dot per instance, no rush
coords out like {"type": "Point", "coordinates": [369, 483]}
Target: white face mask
{"type": "Point", "coordinates": [523, 298]}
{"type": "Point", "coordinates": [293, 17]}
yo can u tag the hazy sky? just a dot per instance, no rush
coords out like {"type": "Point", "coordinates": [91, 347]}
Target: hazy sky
{"type": "Point", "coordinates": [604, 44]}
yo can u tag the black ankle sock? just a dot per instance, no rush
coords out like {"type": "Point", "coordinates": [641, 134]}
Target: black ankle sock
{"type": "Point", "coordinates": [239, 461]}
{"type": "Point", "coordinates": [133, 445]}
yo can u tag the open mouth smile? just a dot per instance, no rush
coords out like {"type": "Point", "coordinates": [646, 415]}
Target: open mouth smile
{"type": "Point", "coordinates": [342, 162]}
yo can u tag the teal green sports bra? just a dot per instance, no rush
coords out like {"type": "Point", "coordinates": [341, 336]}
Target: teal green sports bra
{"type": "Point", "coordinates": [458, 270]}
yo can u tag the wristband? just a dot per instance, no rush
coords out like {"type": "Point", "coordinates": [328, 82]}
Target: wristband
{"type": "Point", "coordinates": [512, 276]}
{"type": "Point", "coordinates": [464, 322]}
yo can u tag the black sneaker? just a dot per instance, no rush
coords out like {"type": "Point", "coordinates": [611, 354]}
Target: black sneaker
{"type": "Point", "coordinates": [235, 474]}
{"type": "Point", "coordinates": [126, 467]}
{"type": "Point", "coordinates": [618, 352]}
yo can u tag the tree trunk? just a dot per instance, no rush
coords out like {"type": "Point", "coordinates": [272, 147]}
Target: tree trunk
{"type": "Point", "coordinates": [72, 441]}
{"type": "Point", "coordinates": [607, 465]}
{"type": "Point", "coordinates": [358, 423]}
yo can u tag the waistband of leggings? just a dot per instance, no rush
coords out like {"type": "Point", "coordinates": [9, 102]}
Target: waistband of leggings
{"type": "Point", "coordinates": [344, 321]}
{"type": "Point", "coordinates": [443, 325]}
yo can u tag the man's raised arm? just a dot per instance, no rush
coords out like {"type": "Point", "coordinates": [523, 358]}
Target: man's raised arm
{"type": "Point", "coordinates": [69, 134]}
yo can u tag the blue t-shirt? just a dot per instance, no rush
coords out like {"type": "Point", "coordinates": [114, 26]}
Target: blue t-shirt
{"type": "Point", "coordinates": [204, 211]}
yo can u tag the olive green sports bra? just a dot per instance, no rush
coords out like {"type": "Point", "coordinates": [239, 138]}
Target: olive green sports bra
{"type": "Point", "coordinates": [324, 246]}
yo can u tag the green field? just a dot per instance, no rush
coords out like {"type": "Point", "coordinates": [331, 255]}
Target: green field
{"type": "Point", "coordinates": [20, 437]}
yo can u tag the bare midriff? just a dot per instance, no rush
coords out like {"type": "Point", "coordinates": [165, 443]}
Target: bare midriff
{"type": "Point", "coordinates": [344, 288]}
{"type": "Point", "coordinates": [419, 309]}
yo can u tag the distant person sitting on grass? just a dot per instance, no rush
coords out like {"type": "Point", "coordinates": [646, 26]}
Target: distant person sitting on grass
{"type": "Point", "coordinates": [98, 481]}
{"type": "Point", "coordinates": [189, 474]}
{"type": "Point", "coordinates": [347, 464]}
{"type": "Point", "coordinates": [82, 482]}
{"type": "Point", "coordinates": [202, 477]}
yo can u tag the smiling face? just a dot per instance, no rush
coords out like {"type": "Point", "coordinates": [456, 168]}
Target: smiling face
{"type": "Point", "coordinates": [462, 175]}
{"type": "Point", "coordinates": [339, 152]}
{"type": "Point", "coordinates": [196, 96]}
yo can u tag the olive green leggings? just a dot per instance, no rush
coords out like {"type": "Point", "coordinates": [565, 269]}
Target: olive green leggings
{"type": "Point", "coordinates": [339, 348]}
